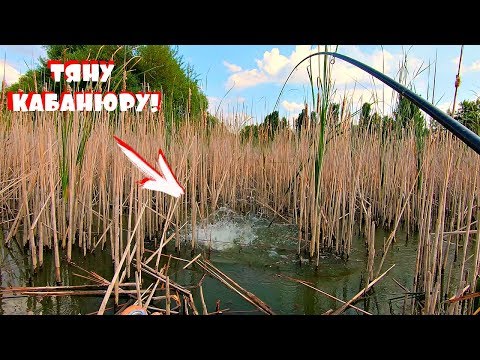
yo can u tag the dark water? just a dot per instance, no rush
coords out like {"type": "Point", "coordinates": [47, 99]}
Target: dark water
{"type": "Point", "coordinates": [248, 251]}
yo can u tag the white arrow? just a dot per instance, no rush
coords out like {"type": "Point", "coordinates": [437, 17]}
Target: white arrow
{"type": "Point", "coordinates": [167, 183]}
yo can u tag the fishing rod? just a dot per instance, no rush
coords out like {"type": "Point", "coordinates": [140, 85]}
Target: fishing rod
{"type": "Point", "coordinates": [456, 128]}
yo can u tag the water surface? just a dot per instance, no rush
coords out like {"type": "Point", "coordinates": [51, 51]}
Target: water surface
{"type": "Point", "coordinates": [250, 251]}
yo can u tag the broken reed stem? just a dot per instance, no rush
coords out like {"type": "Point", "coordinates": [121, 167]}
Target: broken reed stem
{"type": "Point", "coordinates": [361, 293]}
{"type": "Point", "coordinates": [204, 306]}
{"type": "Point", "coordinates": [167, 296]}
{"type": "Point", "coordinates": [324, 293]}
{"type": "Point", "coordinates": [151, 294]}
{"type": "Point", "coordinates": [192, 261]}
{"type": "Point", "coordinates": [251, 298]}
{"type": "Point", "coordinates": [137, 286]}
{"type": "Point", "coordinates": [117, 272]}
{"type": "Point", "coordinates": [397, 222]}
{"type": "Point", "coordinates": [58, 288]}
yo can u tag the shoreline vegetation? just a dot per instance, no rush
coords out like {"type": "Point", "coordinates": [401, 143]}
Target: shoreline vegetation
{"type": "Point", "coordinates": [65, 184]}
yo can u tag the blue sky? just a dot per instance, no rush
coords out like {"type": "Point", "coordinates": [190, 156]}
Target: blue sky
{"type": "Point", "coordinates": [246, 79]}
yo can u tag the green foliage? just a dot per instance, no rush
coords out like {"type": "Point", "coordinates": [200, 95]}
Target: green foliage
{"type": "Point", "coordinates": [270, 126]}
{"type": "Point", "coordinates": [164, 69]}
{"type": "Point", "coordinates": [334, 114]}
{"type": "Point", "coordinates": [376, 121]}
{"type": "Point", "coordinates": [365, 115]}
{"type": "Point", "coordinates": [370, 122]}
{"type": "Point", "coordinates": [212, 121]}
{"type": "Point", "coordinates": [324, 95]}
{"type": "Point", "coordinates": [249, 131]}
{"type": "Point", "coordinates": [26, 82]}
{"type": "Point", "coordinates": [302, 120]}
{"type": "Point", "coordinates": [469, 115]}
{"type": "Point", "coordinates": [123, 57]}
{"type": "Point", "coordinates": [159, 66]}
{"type": "Point", "coordinates": [408, 114]}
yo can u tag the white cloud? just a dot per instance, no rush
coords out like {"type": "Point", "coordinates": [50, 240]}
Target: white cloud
{"type": "Point", "coordinates": [11, 74]}
{"type": "Point", "coordinates": [226, 105]}
{"type": "Point", "coordinates": [235, 120]}
{"type": "Point", "coordinates": [382, 100]}
{"type": "Point", "coordinates": [475, 66]}
{"type": "Point", "coordinates": [292, 106]}
{"type": "Point", "coordinates": [272, 62]}
{"type": "Point", "coordinates": [212, 104]}
{"type": "Point", "coordinates": [274, 67]}
{"type": "Point", "coordinates": [247, 78]}
{"type": "Point", "coordinates": [447, 105]}
{"type": "Point", "coordinates": [455, 61]}
{"type": "Point", "coordinates": [232, 67]}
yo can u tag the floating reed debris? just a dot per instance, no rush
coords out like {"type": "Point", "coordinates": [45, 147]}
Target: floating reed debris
{"type": "Point", "coordinates": [227, 281]}
{"type": "Point", "coordinates": [361, 293]}
{"type": "Point", "coordinates": [324, 293]}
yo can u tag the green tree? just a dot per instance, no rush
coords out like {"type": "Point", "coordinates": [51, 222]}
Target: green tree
{"type": "Point", "coordinates": [271, 123]}
{"type": "Point", "coordinates": [159, 67]}
{"type": "Point", "coordinates": [365, 116]}
{"type": "Point", "coordinates": [30, 81]}
{"type": "Point", "coordinates": [163, 68]}
{"type": "Point", "coordinates": [249, 131]}
{"type": "Point", "coordinates": [407, 114]}
{"type": "Point", "coordinates": [469, 114]}
{"type": "Point", "coordinates": [121, 56]}
{"type": "Point", "coordinates": [334, 116]}
{"type": "Point", "coordinates": [302, 120]}
{"type": "Point", "coordinates": [376, 121]}
{"type": "Point", "coordinates": [269, 127]}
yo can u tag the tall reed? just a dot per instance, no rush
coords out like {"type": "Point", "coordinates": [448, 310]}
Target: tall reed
{"type": "Point", "coordinates": [65, 183]}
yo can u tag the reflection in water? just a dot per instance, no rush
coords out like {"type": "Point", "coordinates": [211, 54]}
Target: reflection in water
{"type": "Point", "coordinates": [247, 250]}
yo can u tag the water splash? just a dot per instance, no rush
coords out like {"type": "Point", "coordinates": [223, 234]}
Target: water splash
{"type": "Point", "coordinates": [225, 229]}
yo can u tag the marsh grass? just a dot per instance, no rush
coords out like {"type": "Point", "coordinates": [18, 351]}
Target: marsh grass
{"type": "Point", "coordinates": [64, 183]}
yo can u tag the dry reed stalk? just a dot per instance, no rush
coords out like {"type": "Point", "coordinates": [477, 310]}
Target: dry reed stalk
{"type": "Point", "coordinates": [476, 261]}
{"type": "Point", "coordinates": [371, 252]}
{"type": "Point", "coordinates": [75, 293]}
{"type": "Point", "coordinates": [467, 233]}
{"type": "Point", "coordinates": [53, 214]}
{"type": "Point", "coordinates": [251, 298]}
{"type": "Point", "coordinates": [204, 306]}
{"type": "Point", "coordinates": [324, 293]}
{"type": "Point", "coordinates": [378, 166]}
{"type": "Point", "coordinates": [167, 296]}
{"type": "Point", "coordinates": [397, 221]}
{"type": "Point", "coordinates": [192, 261]}
{"type": "Point", "coordinates": [88, 278]}
{"type": "Point", "coordinates": [117, 271]}
{"type": "Point", "coordinates": [150, 297]}
{"type": "Point", "coordinates": [33, 248]}
{"type": "Point", "coordinates": [138, 286]}
{"type": "Point", "coordinates": [361, 293]}
{"type": "Point", "coordinates": [157, 275]}
{"type": "Point", "coordinates": [58, 288]}
{"type": "Point", "coordinates": [93, 274]}
{"type": "Point", "coordinates": [116, 229]}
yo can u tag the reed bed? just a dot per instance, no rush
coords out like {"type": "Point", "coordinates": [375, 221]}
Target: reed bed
{"type": "Point", "coordinates": [65, 183]}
